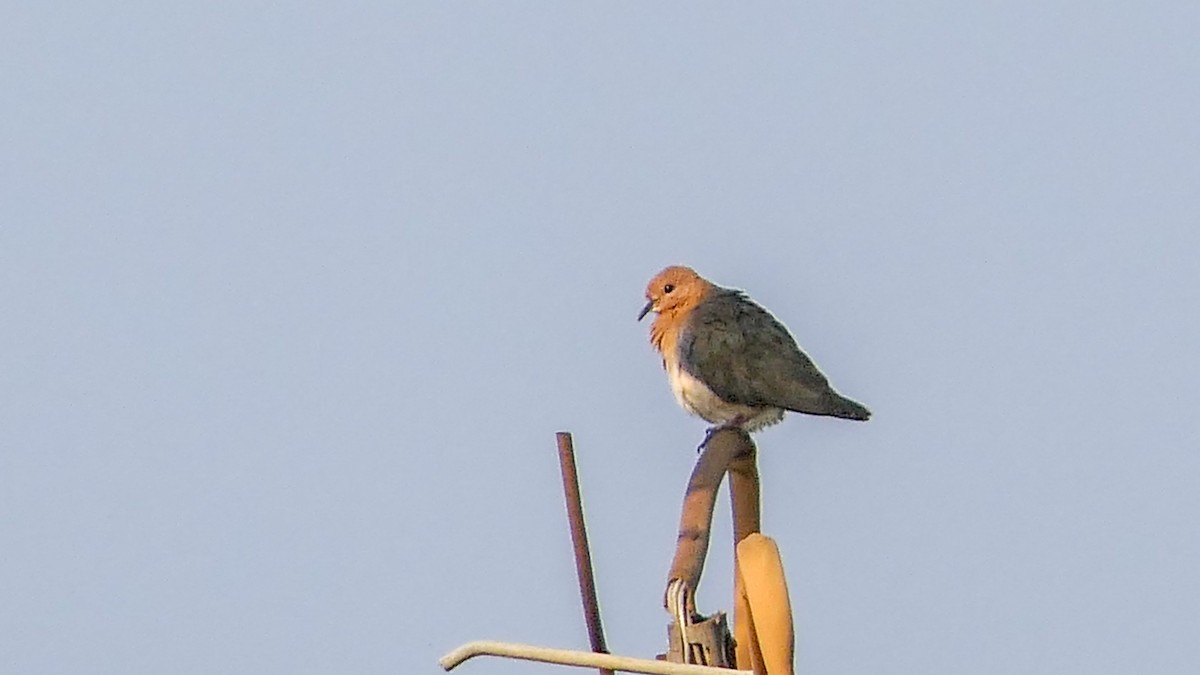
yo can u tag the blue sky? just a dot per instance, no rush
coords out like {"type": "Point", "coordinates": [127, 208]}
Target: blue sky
{"type": "Point", "coordinates": [297, 296]}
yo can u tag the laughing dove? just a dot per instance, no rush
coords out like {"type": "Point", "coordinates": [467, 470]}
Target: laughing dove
{"type": "Point", "coordinates": [729, 361]}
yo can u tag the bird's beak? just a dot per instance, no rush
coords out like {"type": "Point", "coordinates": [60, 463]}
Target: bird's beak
{"type": "Point", "coordinates": [646, 310]}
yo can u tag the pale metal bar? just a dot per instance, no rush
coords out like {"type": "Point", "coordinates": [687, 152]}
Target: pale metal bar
{"type": "Point", "coordinates": [568, 657]}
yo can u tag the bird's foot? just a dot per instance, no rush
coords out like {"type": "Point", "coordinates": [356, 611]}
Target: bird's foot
{"type": "Point", "coordinates": [735, 423]}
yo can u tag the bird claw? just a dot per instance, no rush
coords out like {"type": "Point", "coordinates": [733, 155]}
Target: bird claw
{"type": "Point", "coordinates": [734, 424]}
{"type": "Point", "coordinates": [708, 434]}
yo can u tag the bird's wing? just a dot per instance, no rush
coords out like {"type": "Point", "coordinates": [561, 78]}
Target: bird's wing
{"type": "Point", "coordinates": [744, 355]}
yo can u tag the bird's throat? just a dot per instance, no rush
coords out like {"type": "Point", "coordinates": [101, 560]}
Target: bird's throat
{"type": "Point", "coordinates": [664, 334]}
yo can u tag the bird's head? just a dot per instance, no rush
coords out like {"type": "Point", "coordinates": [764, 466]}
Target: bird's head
{"type": "Point", "coordinates": [674, 288]}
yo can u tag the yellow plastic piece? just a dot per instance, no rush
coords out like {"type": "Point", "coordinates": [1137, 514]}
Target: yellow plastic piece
{"type": "Point", "coordinates": [762, 609]}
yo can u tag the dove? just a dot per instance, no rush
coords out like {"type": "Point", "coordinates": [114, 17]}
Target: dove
{"type": "Point", "coordinates": [729, 361]}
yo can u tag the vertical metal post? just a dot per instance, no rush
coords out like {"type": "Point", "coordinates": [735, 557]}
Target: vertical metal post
{"type": "Point", "coordinates": [583, 554]}
{"type": "Point", "coordinates": [747, 520]}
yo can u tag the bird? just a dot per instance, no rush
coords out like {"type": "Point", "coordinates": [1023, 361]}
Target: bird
{"type": "Point", "coordinates": [729, 360]}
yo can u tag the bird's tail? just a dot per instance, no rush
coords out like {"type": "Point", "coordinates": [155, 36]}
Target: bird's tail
{"type": "Point", "coordinates": [840, 406]}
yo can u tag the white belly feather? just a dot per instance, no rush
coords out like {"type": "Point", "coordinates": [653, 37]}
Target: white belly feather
{"type": "Point", "coordinates": [696, 398]}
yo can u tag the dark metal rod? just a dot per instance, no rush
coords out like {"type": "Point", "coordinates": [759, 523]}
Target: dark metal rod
{"type": "Point", "coordinates": [583, 554]}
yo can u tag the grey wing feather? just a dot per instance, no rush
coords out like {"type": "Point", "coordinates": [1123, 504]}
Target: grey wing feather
{"type": "Point", "coordinates": [744, 355]}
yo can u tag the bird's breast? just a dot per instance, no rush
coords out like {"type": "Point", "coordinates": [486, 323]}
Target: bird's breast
{"type": "Point", "coordinates": [695, 397]}
{"type": "Point", "coordinates": [692, 394]}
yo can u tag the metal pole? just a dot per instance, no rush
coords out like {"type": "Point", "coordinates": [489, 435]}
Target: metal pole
{"type": "Point", "coordinates": [721, 452]}
{"type": "Point", "coordinates": [583, 554]}
{"type": "Point", "coordinates": [584, 659]}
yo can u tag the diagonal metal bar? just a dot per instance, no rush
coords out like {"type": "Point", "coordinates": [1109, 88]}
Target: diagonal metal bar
{"type": "Point", "coordinates": [726, 450]}
{"type": "Point", "coordinates": [583, 553]}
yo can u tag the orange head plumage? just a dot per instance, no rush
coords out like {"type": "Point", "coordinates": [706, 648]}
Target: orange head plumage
{"type": "Point", "coordinates": [672, 293]}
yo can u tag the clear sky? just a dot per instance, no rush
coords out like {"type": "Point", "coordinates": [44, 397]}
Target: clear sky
{"type": "Point", "coordinates": [296, 296]}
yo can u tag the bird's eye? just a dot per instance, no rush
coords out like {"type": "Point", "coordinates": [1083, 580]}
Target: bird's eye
{"type": "Point", "coordinates": [668, 288]}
